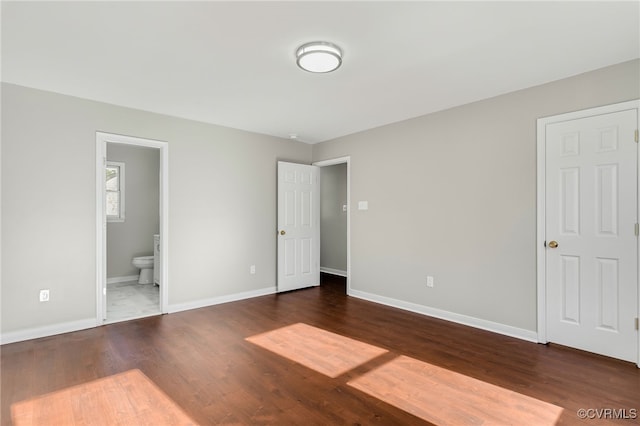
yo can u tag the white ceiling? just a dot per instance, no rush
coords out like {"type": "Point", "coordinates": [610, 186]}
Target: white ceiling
{"type": "Point", "coordinates": [232, 63]}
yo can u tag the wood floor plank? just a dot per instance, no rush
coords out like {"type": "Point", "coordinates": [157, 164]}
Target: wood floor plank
{"type": "Point", "coordinates": [325, 352]}
{"type": "Point", "coordinates": [128, 398]}
{"type": "Point", "coordinates": [445, 397]}
{"type": "Point", "coordinates": [202, 361]}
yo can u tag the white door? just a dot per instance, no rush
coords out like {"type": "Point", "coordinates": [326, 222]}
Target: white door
{"type": "Point", "coordinates": [298, 226]}
{"type": "Point", "coordinates": [591, 242]}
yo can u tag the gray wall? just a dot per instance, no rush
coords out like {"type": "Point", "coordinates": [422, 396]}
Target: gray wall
{"type": "Point", "coordinates": [333, 221]}
{"type": "Point", "coordinates": [134, 236]}
{"type": "Point", "coordinates": [453, 195]}
{"type": "Point", "coordinates": [222, 207]}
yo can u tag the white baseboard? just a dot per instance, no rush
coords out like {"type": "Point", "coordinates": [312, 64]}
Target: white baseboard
{"type": "Point", "coordinates": [49, 330]}
{"type": "Point", "coordinates": [67, 327]}
{"type": "Point", "coordinates": [221, 299]}
{"type": "Point", "coordinates": [507, 330]}
{"type": "Point", "coordinates": [333, 271]}
{"type": "Point", "coordinates": [115, 280]}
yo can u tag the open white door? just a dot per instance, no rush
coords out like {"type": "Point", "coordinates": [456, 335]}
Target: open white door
{"type": "Point", "coordinates": [591, 234]}
{"type": "Point", "coordinates": [298, 226]}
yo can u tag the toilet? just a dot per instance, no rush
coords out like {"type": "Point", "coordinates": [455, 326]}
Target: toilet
{"type": "Point", "coordinates": [145, 264]}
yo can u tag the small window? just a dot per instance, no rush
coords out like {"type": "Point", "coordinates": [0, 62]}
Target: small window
{"type": "Point", "coordinates": [114, 181]}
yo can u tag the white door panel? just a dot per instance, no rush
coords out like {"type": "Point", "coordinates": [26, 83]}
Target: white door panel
{"type": "Point", "coordinates": [591, 211]}
{"type": "Point", "coordinates": [298, 226]}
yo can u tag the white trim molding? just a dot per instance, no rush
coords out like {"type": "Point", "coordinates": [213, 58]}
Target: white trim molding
{"type": "Point", "coordinates": [332, 271]}
{"type": "Point", "coordinates": [68, 327]}
{"type": "Point", "coordinates": [494, 327]}
{"type": "Point", "coordinates": [46, 331]}
{"type": "Point", "coordinates": [116, 280]}
{"type": "Point", "coordinates": [541, 127]}
{"type": "Point", "coordinates": [203, 303]}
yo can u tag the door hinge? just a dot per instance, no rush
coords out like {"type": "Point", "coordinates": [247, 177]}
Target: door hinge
{"type": "Point", "coordinates": [636, 135]}
{"type": "Point", "coordinates": [637, 229]}
{"type": "Point", "coordinates": [637, 324]}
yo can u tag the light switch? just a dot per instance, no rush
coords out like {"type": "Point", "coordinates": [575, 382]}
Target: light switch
{"type": "Point", "coordinates": [363, 205]}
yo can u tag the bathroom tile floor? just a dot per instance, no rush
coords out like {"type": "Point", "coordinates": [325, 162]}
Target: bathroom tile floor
{"type": "Point", "coordinates": [132, 300]}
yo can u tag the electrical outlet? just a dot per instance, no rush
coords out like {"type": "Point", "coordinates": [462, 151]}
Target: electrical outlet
{"type": "Point", "coordinates": [44, 295]}
{"type": "Point", "coordinates": [429, 281]}
{"type": "Point", "coordinates": [252, 269]}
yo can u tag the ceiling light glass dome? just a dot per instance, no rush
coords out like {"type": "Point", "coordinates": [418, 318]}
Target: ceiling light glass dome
{"type": "Point", "coordinates": [319, 57]}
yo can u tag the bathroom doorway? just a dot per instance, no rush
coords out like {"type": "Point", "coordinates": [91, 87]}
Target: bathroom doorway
{"type": "Point", "coordinates": [131, 206]}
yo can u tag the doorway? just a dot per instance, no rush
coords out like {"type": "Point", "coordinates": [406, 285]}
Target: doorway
{"type": "Point", "coordinates": [335, 219]}
{"type": "Point", "coordinates": [298, 241]}
{"type": "Point", "coordinates": [588, 259]}
{"type": "Point", "coordinates": [131, 186]}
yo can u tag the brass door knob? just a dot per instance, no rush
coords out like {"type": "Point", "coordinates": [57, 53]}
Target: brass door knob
{"type": "Point", "coordinates": [553, 244]}
{"type": "Point", "coordinates": [282, 232]}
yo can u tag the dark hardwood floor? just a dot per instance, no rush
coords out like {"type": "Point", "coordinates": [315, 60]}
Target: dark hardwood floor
{"type": "Point", "coordinates": [201, 360]}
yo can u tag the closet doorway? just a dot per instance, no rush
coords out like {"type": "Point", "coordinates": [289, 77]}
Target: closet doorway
{"type": "Point", "coordinates": [335, 223]}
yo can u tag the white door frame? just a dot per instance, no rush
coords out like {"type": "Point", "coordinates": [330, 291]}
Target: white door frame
{"type": "Point", "coordinates": [101, 242]}
{"type": "Point", "coordinates": [333, 162]}
{"type": "Point", "coordinates": [541, 200]}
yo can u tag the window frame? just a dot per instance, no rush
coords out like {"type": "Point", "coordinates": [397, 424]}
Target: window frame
{"type": "Point", "coordinates": [121, 191]}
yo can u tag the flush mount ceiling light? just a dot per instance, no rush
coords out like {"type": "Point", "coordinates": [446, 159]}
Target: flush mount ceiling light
{"type": "Point", "coordinates": [319, 56]}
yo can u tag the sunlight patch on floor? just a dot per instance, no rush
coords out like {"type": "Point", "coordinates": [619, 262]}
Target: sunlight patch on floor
{"type": "Point", "coordinates": [128, 398]}
{"type": "Point", "coordinates": [432, 393]}
{"type": "Point", "coordinates": [445, 397]}
{"type": "Point", "coordinates": [320, 350]}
